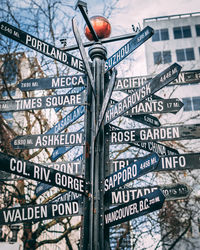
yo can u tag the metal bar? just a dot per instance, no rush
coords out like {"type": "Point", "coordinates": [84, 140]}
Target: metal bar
{"type": "Point", "coordinates": [98, 55]}
{"type": "Point", "coordinates": [81, 6]}
{"type": "Point", "coordinates": [105, 40]}
{"type": "Point", "coordinates": [83, 53]}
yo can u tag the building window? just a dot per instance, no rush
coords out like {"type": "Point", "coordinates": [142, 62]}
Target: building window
{"type": "Point", "coordinates": [160, 35]}
{"type": "Point", "coordinates": [196, 103]}
{"type": "Point", "coordinates": [185, 54]}
{"type": "Point", "coordinates": [162, 57]}
{"type": "Point", "coordinates": [197, 26]}
{"type": "Point", "coordinates": [191, 103]}
{"type": "Point", "coordinates": [182, 32]}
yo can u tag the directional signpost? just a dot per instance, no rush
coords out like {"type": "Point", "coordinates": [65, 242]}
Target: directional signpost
{"type": "Point", "coordinates": [41, 173]}
{"type": "Point", "coordinates": [41, 46]}
{"type": "Point", "coordinates": [128, 48]}
{"type": "Point", "coordinates": [39, 212]}
{"type": "Point", "coordinates": [155, 106]}
{"type": "Point", "coordinates": [184, 132]}
{"type": "Point", "coordinates": [166, 163]}
{"type": "Point", "coordinates": [53, 83]}
{"type": "Point", "coordinates": [90, 96]}
{"type": "Point", "coordinates": [143, 92]}
{"type": "Point", "coordinates": [48, 140]}
{"type": "Point", "coordinates": [171, 192]}
{"type": "Point", "coordinates": [131, 172]}
{"type": "Point", "coordinates": [149, 146]}
{"type": "Point", "coordinates": [133, 209]}
{"type": "Point", "coordinates": [130, 83]}
{"type": "Point", "coordinates": [43, 102]}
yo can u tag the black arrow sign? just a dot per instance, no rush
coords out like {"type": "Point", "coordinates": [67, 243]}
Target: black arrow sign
{"type": "Point", "coordinates": [133, 209]}
{"type": "Point", "coordinates": [169, 133]}
{"type": "Point", "coordinates": [68, 167]}
{"type": "Point", "coordinates": [39, 212]}
{"type": "Point", "coordinates": [53, 83]}
{"type": "Point", "coordinates": [156, 147]}
{"type": "Point", "coordinates": [48, 140]}
{"type": "Point", "coordinates": [43, 102]}
{"type": "Point", "coordinates": [128, 48]}
{"type": "Point", "coordinates": [41, 173]}
{"type": "Point", "coordinates": [136, 169]}
{"type": "Point", "coordinates": [166, 163]}
{"type": "Point", "coordinates": [146, 119]}
{"type": "Point", "coordinates": [143, 92]}
{"type": "Point", "coordinates": [179, 162]}
{"type": "Point", "coordinates": [41, 46]}
{"type": "Point", "coordinates": [129, 83]}
{"type": "Point", "coordinates": [172, 192]}
{"type": "Point", "coordinates": [156, 106]}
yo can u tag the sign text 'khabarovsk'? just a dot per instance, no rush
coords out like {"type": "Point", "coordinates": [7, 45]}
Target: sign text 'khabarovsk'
{"type": "Point", "coordinates": [158, 82]}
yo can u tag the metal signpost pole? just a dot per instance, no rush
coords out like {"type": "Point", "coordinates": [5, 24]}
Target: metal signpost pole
{"type": "Point", "coordinates": [98, 55]}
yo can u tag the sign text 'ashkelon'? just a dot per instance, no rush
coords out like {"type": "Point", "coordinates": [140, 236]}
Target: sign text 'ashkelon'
{"type": "Point", "coordinates": [48, 140]}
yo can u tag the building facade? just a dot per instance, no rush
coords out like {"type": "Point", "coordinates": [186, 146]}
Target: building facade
{"type": "Point", "coordinates": [177, 39]}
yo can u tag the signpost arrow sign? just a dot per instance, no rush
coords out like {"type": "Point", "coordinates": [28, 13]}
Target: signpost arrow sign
{"type": "Point", "coordinates": [41, 46]}
{"type": "Point", "coordinates": [74, 115]}
{"type": "Point", "coordinates": [41, 173]}
{"type": "Point", "coordinates": [133, 209]}
{"type": "Point", "coordinates": [156, 106]}
{"type": "Point", "coordinates": [41, 187]}
{"type": "Point", "coordinates": [184, 132]}
{"type": "Point", "coordinates": [149, 146]}
{"type": "Point", "coordinates": [129, 83]}
{"type": "Point", "coordinates": [136, 169]}
{"type": "Point", "coordinates": [172, 192]}
{"type": "Point", "coordinates": [143, 92]}
{"type": "Point", "coordinates": [166, 163]}
{"type": "Point", "coordinates": [53, 83]}
{"type": "Point", "coordinates": [59, 151]}
{"type": "Point", "coordinates": [128, 48]}
{"type": "Point", "coordinates": [146, 119]}
{"type": "Point", "coordinates": [43, 102]}
{"type": "Point", "coordinates": [67, 196]}
{"type": "Point", "coordinates": [39, 212]}
{"type": "Point", "coordinates": [68, 167]}
{"type": "Point", "coordinates": [179, 162]}
{"type": "Point", "coordinates": [48, 140]}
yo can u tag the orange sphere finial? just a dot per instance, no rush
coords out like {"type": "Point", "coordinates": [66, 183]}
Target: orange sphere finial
{"type": "Point", "coordinates": [101, 26]}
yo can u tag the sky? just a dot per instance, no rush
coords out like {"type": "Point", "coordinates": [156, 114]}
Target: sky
{"type": "Point", "coordinates": [132, 12]}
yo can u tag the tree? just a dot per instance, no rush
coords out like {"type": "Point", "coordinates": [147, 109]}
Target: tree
{"type": "Point", "coordinates": [50, 21]}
